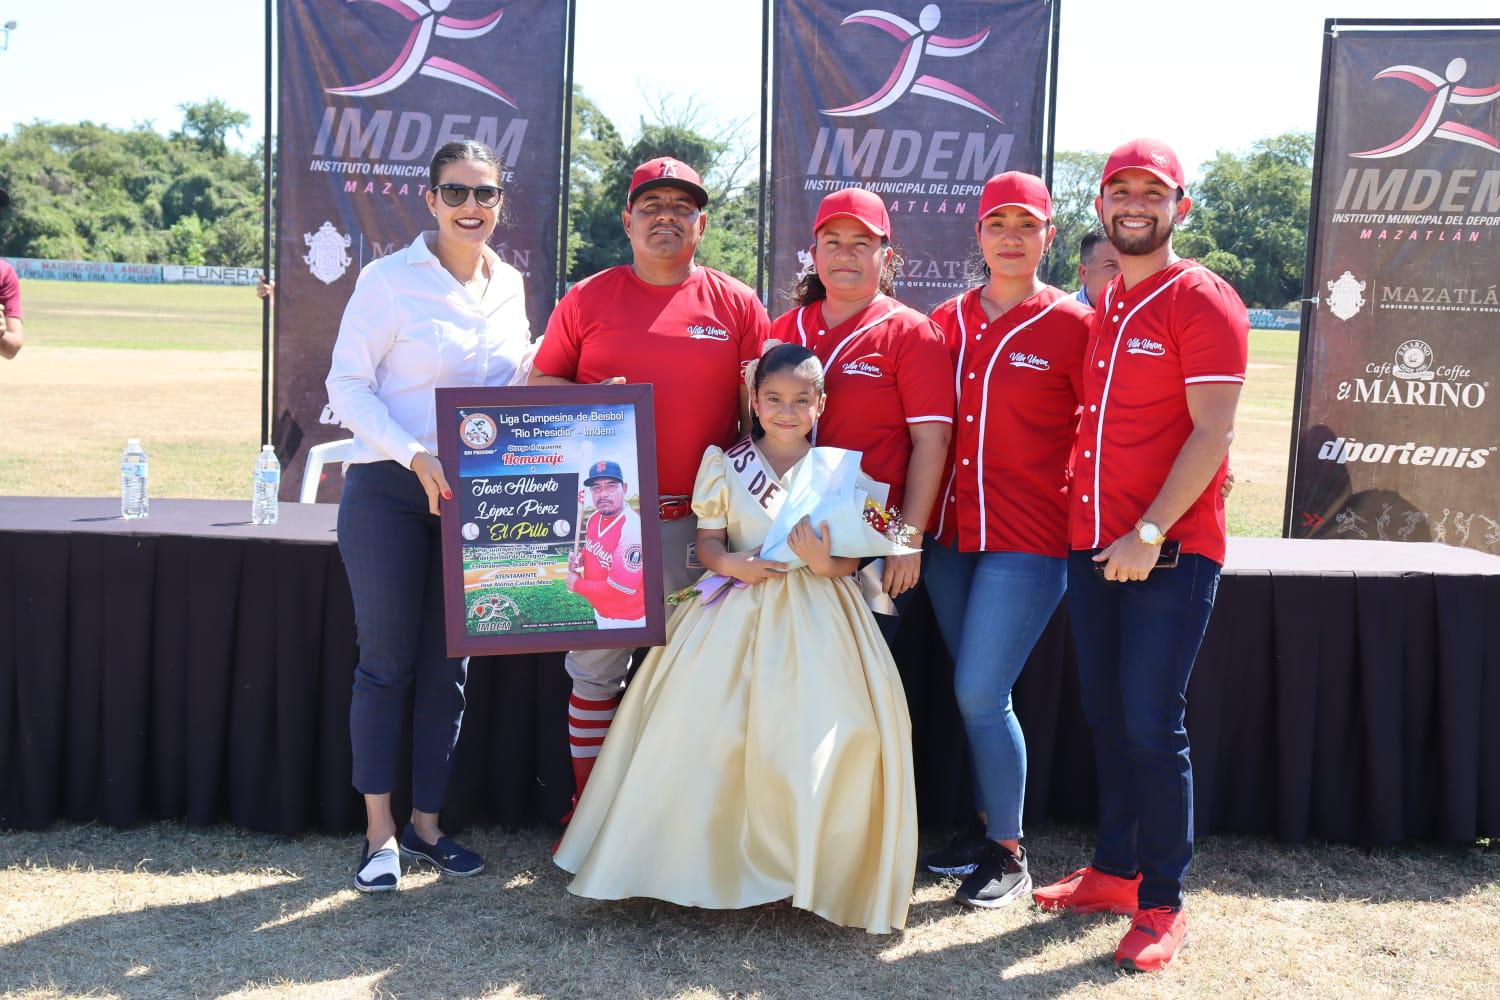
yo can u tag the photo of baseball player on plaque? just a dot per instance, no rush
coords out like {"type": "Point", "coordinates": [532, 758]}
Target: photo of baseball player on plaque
{"type": "Point", "coordinates": [544, 547]}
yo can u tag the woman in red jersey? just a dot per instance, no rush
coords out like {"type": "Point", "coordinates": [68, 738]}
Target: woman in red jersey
{"type": "Point", "coordinates": [889, 377]}
{"type": "Point", "coordinates": [997, 554]}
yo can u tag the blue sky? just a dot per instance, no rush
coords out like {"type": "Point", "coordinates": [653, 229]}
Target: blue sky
{"type": "Point", "coordinates": [1230, 73]}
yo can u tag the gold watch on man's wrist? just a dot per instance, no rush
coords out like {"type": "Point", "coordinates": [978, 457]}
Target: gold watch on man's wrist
{"type": "Point", "coordinates": [1149, 533]}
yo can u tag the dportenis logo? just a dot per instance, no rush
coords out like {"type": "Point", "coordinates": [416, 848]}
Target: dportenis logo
{"type": "Point", "coordinates": [428, 20]}
{"type": "Point", "coordinates": [1443, 92]}
{"type": "Point", "coordinates": [917, 40]}
{"type": "Point", "coordinates": [1344, 451]}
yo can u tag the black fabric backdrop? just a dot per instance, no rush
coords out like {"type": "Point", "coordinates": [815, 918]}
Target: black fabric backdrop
{"type": "Point", "coordinates": [193, 666]}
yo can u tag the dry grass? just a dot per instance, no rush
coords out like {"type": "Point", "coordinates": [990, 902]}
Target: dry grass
{"type": "Point", "coordinates": [170, 911]}
{"type": "Point", "coordinates": [68, 410]}
{"type": "Point", "coordinates": [1263, 433]}
{"type": "Point", "coordinates": [177, 366]}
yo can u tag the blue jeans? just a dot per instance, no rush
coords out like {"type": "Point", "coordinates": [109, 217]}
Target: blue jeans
{"type": "Point", "coordinates": [389, 543]}
{"type": "Point", "coordinates": [991, 608]}
{"type": "Point", "coordinates": [1136, 644]}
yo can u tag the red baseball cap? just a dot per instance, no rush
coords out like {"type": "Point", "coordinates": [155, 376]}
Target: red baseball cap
{"type": "Point", "coordinates": [1022, 190]}
{"type": "Point", "coordinates": [1150, 155]}
{"type": "Point", "coordinates": [864, 207]}
{"type": "Point", "coordinates": [664, 171]}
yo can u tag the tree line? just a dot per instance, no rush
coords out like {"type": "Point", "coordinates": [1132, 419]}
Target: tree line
{"type": "Point", "coordinates": [91, 192]}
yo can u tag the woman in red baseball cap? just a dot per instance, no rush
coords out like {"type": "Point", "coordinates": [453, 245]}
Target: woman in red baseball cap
{"type": "Point", "coordinates": [889, 376]}
{"type": "Point", "coordinates": [997, 551]}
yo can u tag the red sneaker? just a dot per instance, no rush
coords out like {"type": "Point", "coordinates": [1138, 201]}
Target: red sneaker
{"type": "Point", "coordinates": [1089, 890]}
{"type": "Point", "coordinates": [1153, 940]}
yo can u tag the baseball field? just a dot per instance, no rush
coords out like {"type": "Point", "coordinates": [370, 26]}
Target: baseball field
{"type": "Point", "coordinates": [179, 367]}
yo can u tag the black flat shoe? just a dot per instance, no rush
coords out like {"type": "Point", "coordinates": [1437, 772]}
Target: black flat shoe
{"type": "Point", "coordinates": [449, 857]}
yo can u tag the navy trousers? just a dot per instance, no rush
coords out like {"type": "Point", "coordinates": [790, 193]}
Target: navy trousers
{"type": "Point", "coordinates": [1136, 643]}
{"type": "Point", "coordinates": [389, 543]}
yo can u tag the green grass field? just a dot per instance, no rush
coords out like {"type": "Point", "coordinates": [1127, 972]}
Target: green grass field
{"type": "Point", "coordinates": [179, 367]}
{"type": "Point", "coordinates": [141, 317]}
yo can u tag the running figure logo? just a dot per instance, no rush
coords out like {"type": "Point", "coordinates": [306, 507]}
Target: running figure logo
{"type": "Point", "coordinates": [427, 20]}
{"type": "Point", "coordinates": [1445, 91]}
{"type": "Point", "coordinates": [918, 40]}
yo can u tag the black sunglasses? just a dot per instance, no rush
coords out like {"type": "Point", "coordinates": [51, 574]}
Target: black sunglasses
{"type": "Point", "coordinates": [454, 195]}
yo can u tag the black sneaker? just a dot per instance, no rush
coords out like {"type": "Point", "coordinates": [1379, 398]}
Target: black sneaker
{"type": "Point", "coordinates": [1000, 877]}
{"type": "Point", "coordinates": [962, 854]}
{"type": "Point", "coordinates": [448, 856]}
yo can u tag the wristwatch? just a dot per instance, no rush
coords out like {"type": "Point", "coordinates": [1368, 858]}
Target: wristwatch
{"type": "Point", "coordinates": [1149, 533]}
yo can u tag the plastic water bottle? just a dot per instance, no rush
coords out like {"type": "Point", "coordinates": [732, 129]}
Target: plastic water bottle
{"type": "Point", "coordinates": [134, 500]}
{"type": "Point", "coordinates": [267, 486]}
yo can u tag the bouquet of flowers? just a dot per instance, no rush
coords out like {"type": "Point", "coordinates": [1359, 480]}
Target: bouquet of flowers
{"type": "Point", "coordinates": [713, 588]}
{"type": "Point", "coordinates": [833, 489]}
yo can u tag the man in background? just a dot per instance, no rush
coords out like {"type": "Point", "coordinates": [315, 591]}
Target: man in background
{"type": "Point", "coordinates": [1098, 262]}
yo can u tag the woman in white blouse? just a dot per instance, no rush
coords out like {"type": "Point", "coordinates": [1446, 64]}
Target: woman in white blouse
{"type": "Point", "coordinates": [444, 311]}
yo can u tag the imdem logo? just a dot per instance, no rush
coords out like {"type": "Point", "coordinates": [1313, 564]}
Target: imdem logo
{"type": "Point", "coordinates": [428, 20]}
{"type": "Point", "coordinates": [917, 40]}
{"type": "Point", "coordinates": [1443, 91]}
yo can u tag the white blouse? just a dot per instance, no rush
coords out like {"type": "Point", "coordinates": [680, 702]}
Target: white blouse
{"type": "Point", "coordinates": [410, 327]}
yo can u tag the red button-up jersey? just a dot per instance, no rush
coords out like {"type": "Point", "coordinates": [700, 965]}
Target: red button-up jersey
{"type": "Point", "coordinates": [690, 341]}
{"type": "Point", "coordinates": [1182, 326]}
{"type": "Point", "coordinates": [612, 580]}
{"type": "Point", "coordinates": [885, 369]}
{"type": "Point", "coordinates": [1019, 391]}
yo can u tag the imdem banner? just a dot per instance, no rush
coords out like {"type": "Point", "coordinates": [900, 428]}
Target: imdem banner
{"type": "Point", "coordinates": [919, 102]}
{"type": "Point", "coordinates": [369, 89]}
{"type": "Point", "coordinates": [1398, 429]}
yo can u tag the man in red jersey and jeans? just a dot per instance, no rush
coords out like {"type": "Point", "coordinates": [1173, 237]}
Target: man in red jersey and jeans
{"type": "Point", "coordinates": [686, 329]}
{"type": "Point", "coordinates": [1162, 378]}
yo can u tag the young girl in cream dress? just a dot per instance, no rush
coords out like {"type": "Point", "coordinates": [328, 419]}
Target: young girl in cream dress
{"type": "Point", "coordinates": [763, 753]}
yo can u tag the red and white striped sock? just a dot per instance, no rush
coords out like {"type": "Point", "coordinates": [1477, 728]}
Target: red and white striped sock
{"type": "Point", "coordinates": [588, 722]}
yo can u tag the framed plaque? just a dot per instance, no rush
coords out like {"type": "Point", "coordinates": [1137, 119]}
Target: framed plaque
{"type": "Point", "coordinates": [552, 540]}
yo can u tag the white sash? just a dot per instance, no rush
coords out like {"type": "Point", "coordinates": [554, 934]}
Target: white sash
{"type": "Point", "coordinates": [744, 469]}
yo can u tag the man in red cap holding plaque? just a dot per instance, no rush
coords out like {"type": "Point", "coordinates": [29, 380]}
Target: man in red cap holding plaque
{"type": "Point", "coordinates": [686, 329]}
{"type": "Point", "coordinates": [1162, 375]}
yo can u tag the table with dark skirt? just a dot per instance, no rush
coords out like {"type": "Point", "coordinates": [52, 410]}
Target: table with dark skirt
{"type": "Point", "coordinates": [192, 665]}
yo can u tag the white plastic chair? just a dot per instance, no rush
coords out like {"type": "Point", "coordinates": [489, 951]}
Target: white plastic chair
{"type": "Point", "coordinates": [318, 456]}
